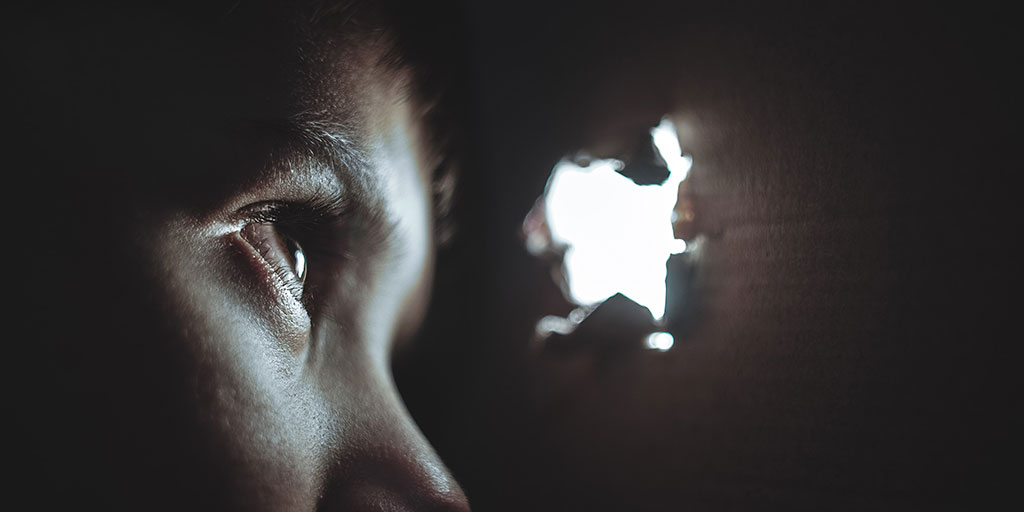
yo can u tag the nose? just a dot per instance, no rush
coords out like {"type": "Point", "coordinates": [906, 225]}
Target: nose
{"type": "Point", "coordinates": [399, 483]}
{"type": "Point", "coordinates": [386, 464]}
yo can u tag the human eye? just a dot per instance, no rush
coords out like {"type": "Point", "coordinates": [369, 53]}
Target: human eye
{"type": "Point", "coordinates": [298, 243]}
{"type": "Point", "coordinates": [281, 252]}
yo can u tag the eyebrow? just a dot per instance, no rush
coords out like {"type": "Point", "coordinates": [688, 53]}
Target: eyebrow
{"type": "Point", "coordinates": [321, 135]}
{"type": "Point", "coordinates": [323, 138]}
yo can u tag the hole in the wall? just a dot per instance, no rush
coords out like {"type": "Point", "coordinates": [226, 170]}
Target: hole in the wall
{"type": "Point", "coordinates": [609, 234]}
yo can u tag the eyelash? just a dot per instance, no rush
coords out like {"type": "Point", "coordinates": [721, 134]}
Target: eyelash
{"type": "Point", "coordinates": [318, 226]}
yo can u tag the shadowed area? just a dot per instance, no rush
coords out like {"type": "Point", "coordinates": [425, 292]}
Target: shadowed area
{"type": "Point", "coordinates": [847, 350]}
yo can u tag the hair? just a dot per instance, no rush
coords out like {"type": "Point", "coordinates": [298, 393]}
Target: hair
{"type": "Point", "coordinates": [424, 39]}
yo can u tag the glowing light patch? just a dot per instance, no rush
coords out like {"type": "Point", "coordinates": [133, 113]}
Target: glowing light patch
{"type": "Point", "coordinates": [666, 139]}
{"type": "Point", "coordinates": [555, 324]}
{"type": "Point", "coordinates": [618, 235]}
{"type": "Point", "coordinates": [659, 341]}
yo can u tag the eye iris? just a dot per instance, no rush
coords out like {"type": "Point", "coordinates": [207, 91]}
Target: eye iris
{"type": "Point", "coordinates": [281, 251]}
{"type": "Point", "coordinates": [298, 258]}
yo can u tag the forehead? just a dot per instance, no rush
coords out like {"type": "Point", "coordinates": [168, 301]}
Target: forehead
{"type": "Point", "coordinates": [255, 62]}
{"type": "Point", "coordinates": [179, 94]}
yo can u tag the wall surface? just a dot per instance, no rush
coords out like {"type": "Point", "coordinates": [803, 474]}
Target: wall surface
{"type": "Point", "coordinates": [851, 349]}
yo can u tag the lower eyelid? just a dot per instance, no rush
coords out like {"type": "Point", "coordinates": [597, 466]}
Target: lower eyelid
{"type": "Point", "coordinates": [263, 289]}
{"type": "Point", "coordinates": [260, 259]}
{"type": "Point", "coordinates": [274, 248]}
{"type": "Point", "coordinates": [287, 322]}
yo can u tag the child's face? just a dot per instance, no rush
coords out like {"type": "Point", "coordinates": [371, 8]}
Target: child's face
{"type": "Point", "coordinates": [261, 241]}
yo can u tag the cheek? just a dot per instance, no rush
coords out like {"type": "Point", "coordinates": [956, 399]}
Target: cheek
{"type": "Point", "coordinates": [256, 411]}
{"type": "Point", "coordinates": [267, 301]}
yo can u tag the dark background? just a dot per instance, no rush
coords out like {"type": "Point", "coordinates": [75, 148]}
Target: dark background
{"type": "Point", "coordinates": [855, 347]}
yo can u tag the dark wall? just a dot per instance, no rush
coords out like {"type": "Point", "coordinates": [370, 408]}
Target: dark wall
{"type": "Point", "coordinates": [853, 348]}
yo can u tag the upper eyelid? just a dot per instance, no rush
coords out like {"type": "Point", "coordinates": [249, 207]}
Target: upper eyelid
{"type": "Point", "coordinates": [320, 225]}
{"type": "Point", "coordinates": [305, 168]}
{"type": "Point", "coordinates": [272, 188]}
{"type": "Point", "coordinates": [289, 161]}
{"type": "Point", "coordinates": [309, 209]}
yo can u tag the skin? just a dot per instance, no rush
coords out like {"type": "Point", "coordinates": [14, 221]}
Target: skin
{"type": "Point", "coordinates": [187, 376]}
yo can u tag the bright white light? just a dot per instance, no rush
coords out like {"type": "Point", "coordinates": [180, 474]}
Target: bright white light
{"type": "Point", "coordinates": [555, 324]}
{"type": "Point", "coordinates": [577, 315]}
{"type": "Point", "coordinates": [667, 141]}
{"type": "Point", "coordinates": [659, 341]}
{"type": "Point", "coordinates": [618, 234]}
{"type": "Point", "coordinates": [678, 246]}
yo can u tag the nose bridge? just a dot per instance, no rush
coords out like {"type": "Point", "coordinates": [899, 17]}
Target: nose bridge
{"type": "Point", "coordinates": [387, 464]}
